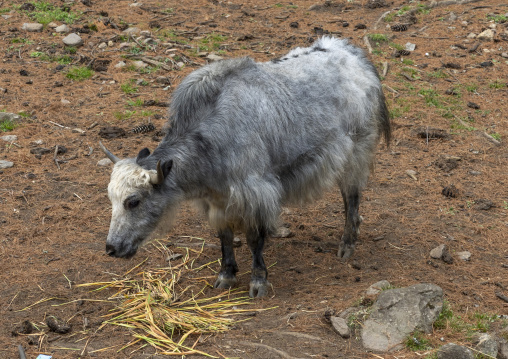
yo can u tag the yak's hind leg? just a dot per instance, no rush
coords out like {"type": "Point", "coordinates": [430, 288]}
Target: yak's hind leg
{"type": "Point", "coordinates": [229, 268]}
{"type": "Point", "coordinates": [259, 283]}
{"type": "Point", "coordinates": [351, 197]}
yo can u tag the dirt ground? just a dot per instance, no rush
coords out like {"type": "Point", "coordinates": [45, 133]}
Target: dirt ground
{"type": "Point", "coordinates": [448, 99]}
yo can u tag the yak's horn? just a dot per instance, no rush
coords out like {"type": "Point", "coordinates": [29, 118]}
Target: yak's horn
{"type": "Point", "coordinates": [111, 156]}
{"type": "Point", "coordinates": [159, 178]}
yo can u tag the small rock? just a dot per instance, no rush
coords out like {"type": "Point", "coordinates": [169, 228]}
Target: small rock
{"type": "Point", "coordinates": [174, 257]}
{"type": "Point", "coordinates": [9, 138]}
{"type": "Point", "coordinates": [503, 350]}
{"type": "Point", "coordinates": [505, 55]}
{"type": "Point", "coordinates": [437, 252]}
{"type": "Point", "coordinates": [465, 256]}
{"type": "Point", "coordinates": [57, 325]}
{"type": "Point", "coordinates": [62, 29]}
{"type": "Point", "coordinates": [139, 64]}
{"type": "Point", "coordinates": [486, 64]}
{"type": "Point", "coordinates": [340, 326]}
{"type": "Point", "coordinates": [410, 47]}
{"type": "Point", "coordinates": [471, 35]}
{"type": "Point", "coordinates": [8, 116]}
{"type": "Point", "coordinates": [40, 151]}
{"type": "Point", "coordinates": [131, 31]}
{"type": "Point", "coordinates": [282, 232]}
{"type": "Point", "coordinates": [237, 242]}
{"type": "Point", "coordinates": [486, 344]}
{"type": "Point", "coordinates": [163, 80]}
{"type": "Point", "coordinates": [294, 25]}
{"type": "Point", "coordinates": [473, 105]}
{"type": "Point", "coordinates": [126, 45]}
{"type": "Point", "coordinates": [102, 46]}
{"type": "Point", "coordinates": [120, 65]}
{"type": "Point", "coordinates": [52, 25]}
{"type": "Point", "coordinates": [412, 174]}
{"type": "Point", "coordinates": [32, 27]}
{"type": "Point", "coordinates": [483, 204]}
{"type": "Point", "coordinates": [214, 57]}
{"type": "Point", "coordinates": [360, 26]}
{"type": "Point", "coordinates": [65, 102]}
{"type": "Point", "coordinates": [377, 287]}
{"type": "Point", "coordinates": [72, 40]}
{"type": "Point", "coordinates": [487, 35]}
{"type": "Point", "coordinates": [24, 72]}
{"type": "Point", "coordinates": [104, 162]}
{"type": "Point", "coordinates": [454, 351]}
{"type": "Point", "coordinates": [5, 164]}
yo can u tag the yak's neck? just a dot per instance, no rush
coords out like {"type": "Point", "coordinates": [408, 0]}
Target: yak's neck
{"type": "Point", "coordinates": [188, 172]}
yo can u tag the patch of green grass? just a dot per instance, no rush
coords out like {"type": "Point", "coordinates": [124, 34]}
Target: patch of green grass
{"type": "Point", "coordinates": [40, 56]}
{"type": "Point", "coordinates": [472, 87]}
{"type": "Point", "coordinates": [408, 62]}
{"type": "Point", "coordinates": [79, 73]}
{"type": "Point", "coordinates": [148, 70]}
{"type": "Point", "coordinates": [397, 46]}
{"type": "Point", "coordinates": [211, 42]}
{"type": "Point", "coordinates": [121, 116]}
{"type": "Point", "coordinates": [416, 342]}
{"type": "Point", "coordinates": [46, 12]}
{"type": "Point", "coordinates": [64, 60]}
{"type": "Point", "coordinates": [147, 113]}
{"type": "Point", "coordinates": [498, 18]}
{"type": "Point", "coordinates": [439, 74]}
{"type": "Point", "coordinates": [24, 114]}
{"type": "Point", "coordinates": [497, 84]}
{"type": "Point", "coordinates": [20, 40]}
{"type": "Point", "coordinates": [423, 9]}
{"type": "Point", "coordinates": [456, 125]}
{"type": "Point", "coordinates": [403, 10]}
{"type": "Point", "coordinates": [128, 88]}
{"type": "Point", "coordinates": [136, 50]}
{"type": "Point", "coordinates": [505, 206]}
{"type": "Point", "coordinates": [378, 37]}
{"type": "Point", "coordinates": [482, 321]}
{"type": "Point", "coordinates": [136, 103]}
{"type": "Point", "coordinates": [4, 10]}
{"type": "Point", "coordinates": [496, 136]}
{"type": "Point", "coordinates": [71, 50]}
{"type": "Point", "coordinates": [7, 125]}
{"type": "Point", "coordinates": [389, 17]}
{"type": "Point", "coordinates": [430, 96]}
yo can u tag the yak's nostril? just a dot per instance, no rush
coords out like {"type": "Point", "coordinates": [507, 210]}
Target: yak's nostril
{"type": "Point", "coordinates": [110, 250]}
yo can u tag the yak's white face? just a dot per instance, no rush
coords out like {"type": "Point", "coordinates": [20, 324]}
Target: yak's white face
{"type": "Point", "coordinates": [134, 214]}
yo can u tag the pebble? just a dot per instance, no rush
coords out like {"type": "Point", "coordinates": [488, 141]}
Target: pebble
{"type": "Point", "coordinates": [32, 27]}
{"type": "Point", "coordinates": [62, 29]}
{"type": "Point", "coordinates": [52, 25]}
{"type": "Point", "coordinates": [437, 252]}
{"type": "Point", "coordinates": [9, 138]}
{"type": "Point", "coordinates": [104, 162]}
{"type": "Point", "coordinates": [214, 57]}
{"type": "Point", "coordinates": [73, 40]}
{"type": "Point", "coordinates": [139, 64]}
{"type": "Point", "coordinates": [340, 326]}
{"type": "Point", "coordinates": [102, 45]}
{"type": "Point", "coordinates": [5, 164]}
{"type": "Point", "coordinates": [487, 35]}
{"type": "Point", "coordinates": [131, 31]}
{"type": "Point", "coordinates": [120, 65]}
{"type": "Point", "coordinates": [465, 255]}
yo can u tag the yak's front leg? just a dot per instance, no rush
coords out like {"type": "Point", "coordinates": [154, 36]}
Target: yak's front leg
{"type": "Point", "coordinates": [258, 283]}
{"type": "Point", "coordinates": [229, 268]}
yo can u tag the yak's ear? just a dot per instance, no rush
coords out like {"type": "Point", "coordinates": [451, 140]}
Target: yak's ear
{"type": "Point", "coordinates": [166, 167]}
{"type": "Point", "coordinates": [145, 152]}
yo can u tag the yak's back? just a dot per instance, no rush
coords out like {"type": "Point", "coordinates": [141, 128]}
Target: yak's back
{"type": "Point", "coordinates": [196, 96]}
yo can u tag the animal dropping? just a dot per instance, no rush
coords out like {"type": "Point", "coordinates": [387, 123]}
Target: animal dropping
{"type": "Point", "coordinates": [247, 138]}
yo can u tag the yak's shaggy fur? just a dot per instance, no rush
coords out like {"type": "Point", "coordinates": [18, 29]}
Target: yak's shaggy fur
{"type": "Point", "coordinates": [246, 138]}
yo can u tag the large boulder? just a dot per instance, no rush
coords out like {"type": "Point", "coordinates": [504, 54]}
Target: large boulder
{"type": "Point", "coordinates": [399, 312]}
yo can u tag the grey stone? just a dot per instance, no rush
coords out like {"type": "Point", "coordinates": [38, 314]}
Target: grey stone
{"type": "Point", "coordinates": [139, 64]}
{"type": "Point", "coordinates": [454, 351]}
{"type": "Point", "coordinates": [62, 29]}
{"type": "Point", "coordinates": [5, 164]}
{"type": "Point", "coordinates": [73, 40]}
{"type": "Point", "coordinates": [52, 25]}
{"type": "Point", "coordinates": [32, 27]}
{"type": "Point", "coordinates": [399, 312]}
{"type": "Point", "coordinates": [437, 252]}
{"type": "Point", "coordinates": [503, 350]}
{"type": "Point", "coordinates": [465, 256]}
{"type": "Point", "coordinates": [9, 138]}
{"type": "Point", "coordinates": [340, 326]}
{"type": "Point", "coordinates": [410, 46]}
{"type": "Point", "coordinates": [120, 65]}
{"type": "Point", "coordinates": [378, 287]}
{"type": "Point", "coordinates": [282, 232]}
{"type": "Point", "coordinates": [104, 162]}
{"type": "Point", "coordinates": [486, 344]}
{"type": "Point", "coordinates": [7, 116]}
{"type": "Point", "coordinates": [487, 35]}
{"type": "Point", "coordinates": [131, 31]}
{"type": "Point", "coordinates": [213, 57]}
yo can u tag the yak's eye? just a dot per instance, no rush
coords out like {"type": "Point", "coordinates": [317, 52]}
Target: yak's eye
{"type": "Point", "coordinates": [131, 203]}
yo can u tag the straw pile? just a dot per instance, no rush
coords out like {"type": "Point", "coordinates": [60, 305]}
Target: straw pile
{"type": "Point", "coordinates": [168, 312]}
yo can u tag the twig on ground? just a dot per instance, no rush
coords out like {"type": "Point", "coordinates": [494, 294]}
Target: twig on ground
{"type": "Point", "coordinates": [367, 43]}
{"type": "Point", "coordinates": [54, 157]}
{"type": "Point", "coordinates": [281, 353]}
{"type": "Point", "coordinates": [385, 69]}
